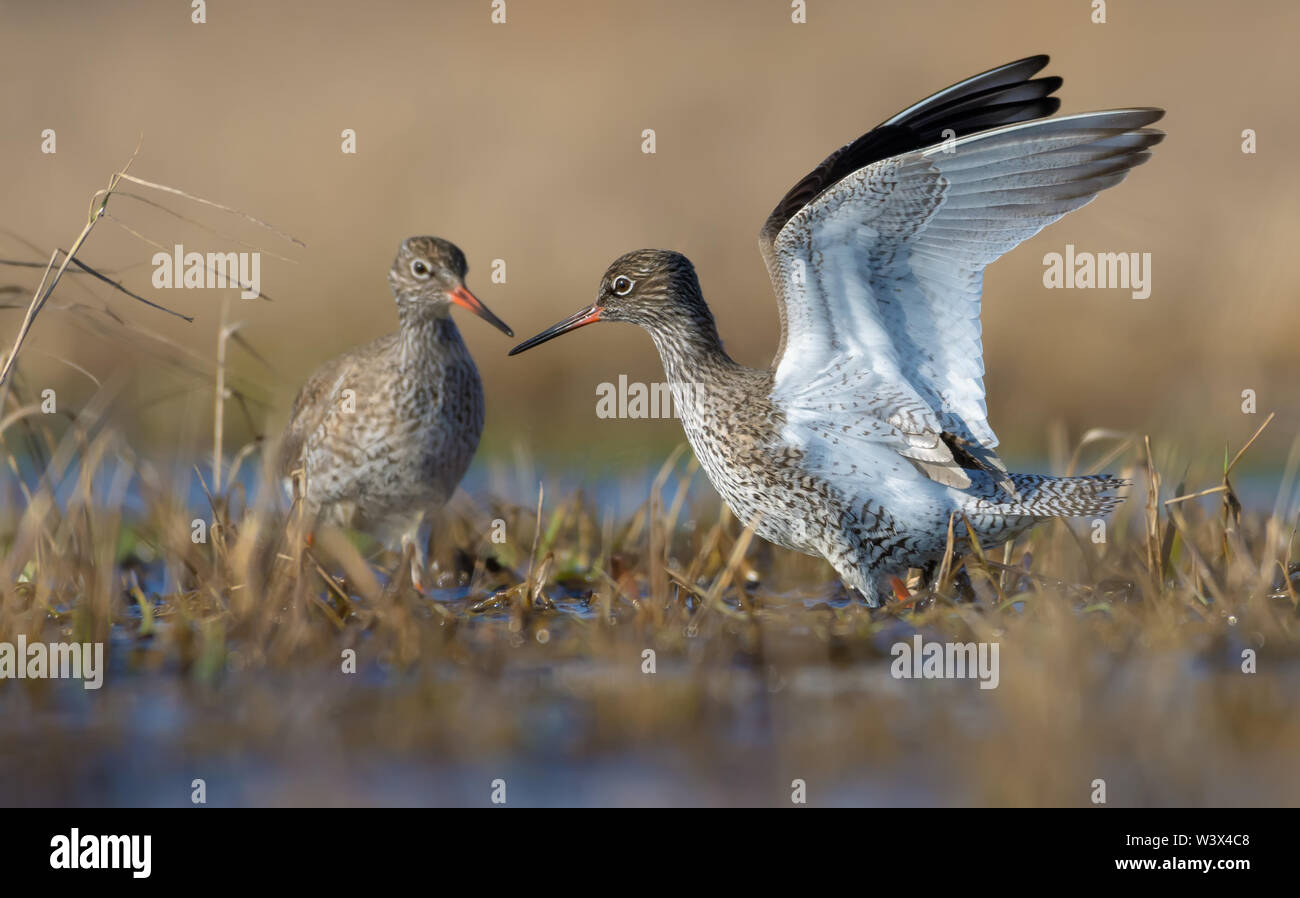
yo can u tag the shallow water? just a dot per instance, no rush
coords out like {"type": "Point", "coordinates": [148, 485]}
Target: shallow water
{"type": "Point", "coordinates": [559, 707]}
{"type": "Point", "coordinates": [617, 491]}
{"type": "Point", "coordinates": [309, 739]}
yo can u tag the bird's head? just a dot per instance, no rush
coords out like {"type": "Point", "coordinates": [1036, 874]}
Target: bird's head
{"type": "Point", "coordinates": [654, 288]}
{"type": "Point", "coordinates": [428, 275]}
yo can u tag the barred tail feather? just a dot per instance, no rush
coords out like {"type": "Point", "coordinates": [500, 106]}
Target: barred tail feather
{"type": "Point", "coordinates": [1043, 496]}
{"type": "Point", "coordinates": [1069, 497]}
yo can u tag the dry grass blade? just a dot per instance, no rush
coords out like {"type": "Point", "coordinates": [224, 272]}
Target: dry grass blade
{"type": "Point", "coordinates": [1203, 569]}
{"type": "Point", "coordinates": [218, 273]}
{"type": "Point", "coordinates": [115, 285]}
{"type": "Point", "coordinates": [714, 595]}
{"type": "Point", "coordinates": [70, 363]}
{"type": "Point", "coordinates": [219, 400]}
{"type": "Point", "coordinates": [1153, 529]}
{"type": "Point", "coordinates": [659, 529]}
{"type": "Point", "coordinates": [19, 263]}
{"type": "Point", "coordinates": [1189, 496]}
{"type": "Point", "coordinates": [1124, 440]}
{"type": "Point", "coordinates": [33, 308]}
{"type": "Point", "coordinates": [946, 572]}
{"type": "Point", "coordinates": [98, 208]}
{"type": "Point", "coordinates": [537, 535]}
{"type": "Point", "coordinates": [978, 552]}
{"type": "Point", "coordinates": [243, 344]}
{"type": "Point", "coordinates": [334, 546]}
{"type": "Point", "coordinates": [198, 199]}
{"type": "Point", "coordinates": [201, 226]}
{"type": "Point", "coordinates": [1250, 442]}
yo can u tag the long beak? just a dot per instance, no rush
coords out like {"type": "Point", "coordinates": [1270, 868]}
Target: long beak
{"type": "Point", "coordinates": [466, 300]}
{"type": "Point", "coordinates": [589, 315]}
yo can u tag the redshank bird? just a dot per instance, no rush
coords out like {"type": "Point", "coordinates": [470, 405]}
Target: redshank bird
{"type": "Point", "coordinates": [869, 431]}
{"type": "Point", "coordinates": [381, 435]}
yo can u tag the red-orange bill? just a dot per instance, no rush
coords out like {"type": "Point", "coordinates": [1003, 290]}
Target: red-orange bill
{"type": "Point", "coordinates": [466, 300]}
{"type": "Point", "coordinates": [589, 315]}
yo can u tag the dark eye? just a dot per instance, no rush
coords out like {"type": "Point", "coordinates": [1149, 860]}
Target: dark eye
{"type": "Point", "coordinates": [419, 269]}
{"type": "Point", "coordinates": [622, 286]}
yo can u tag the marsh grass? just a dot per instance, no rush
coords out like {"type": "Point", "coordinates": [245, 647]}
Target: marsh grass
{"type": "Point", "coordinates": [528, 659]}
{"type": "Point", "coordinates": [1120, 660]}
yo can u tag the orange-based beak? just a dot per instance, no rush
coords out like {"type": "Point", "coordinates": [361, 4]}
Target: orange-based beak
{"type": "Point", "coordinates": [589, 315]}
{"type": "Point", "coordinates": [466, 300]}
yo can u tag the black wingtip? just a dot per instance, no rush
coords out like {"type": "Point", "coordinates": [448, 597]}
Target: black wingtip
{"type": "Point", "coordinates": [1005, 95]}
{"type": "Point", "coordinates": [1035, 63]}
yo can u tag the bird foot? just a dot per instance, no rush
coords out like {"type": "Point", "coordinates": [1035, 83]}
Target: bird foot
{"type": "Point", "coordinates": [417, 581]}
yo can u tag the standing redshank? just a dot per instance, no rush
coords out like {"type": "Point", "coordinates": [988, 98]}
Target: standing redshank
{"type": "Point", "coordinates": [381, 435]}
{"type": "Point", "coordinates": [869, 431]}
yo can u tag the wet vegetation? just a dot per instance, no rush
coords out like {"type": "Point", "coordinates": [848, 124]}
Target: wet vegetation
{"type": "Point", "coordinates": [664, 657]}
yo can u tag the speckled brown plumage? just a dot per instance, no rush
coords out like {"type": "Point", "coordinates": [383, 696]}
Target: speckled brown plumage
{"type": "Point", "coordinates": [383, 434]}
{"type": "Point", "coordinates": [869, 433]}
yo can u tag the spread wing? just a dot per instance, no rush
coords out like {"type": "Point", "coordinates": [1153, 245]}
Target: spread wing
{"type": "Point", "coordinates": [879, 273]}
{"type": "Point", "coordinates": [1001, 96]}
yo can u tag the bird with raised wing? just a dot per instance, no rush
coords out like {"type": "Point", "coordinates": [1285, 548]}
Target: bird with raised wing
{"type": "Point", "coordinates": [381, 435]}
{"type": "Point", "coordinates": [869, 433]}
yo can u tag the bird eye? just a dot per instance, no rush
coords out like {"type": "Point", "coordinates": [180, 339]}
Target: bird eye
{"type": "Point", "coordinates": [419, 269]}
{"type": "Point", "coordinates": [622, 285]}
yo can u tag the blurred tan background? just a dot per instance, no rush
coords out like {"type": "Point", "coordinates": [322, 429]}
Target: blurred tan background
{"type": "Point", "coordinates": [523, 142]}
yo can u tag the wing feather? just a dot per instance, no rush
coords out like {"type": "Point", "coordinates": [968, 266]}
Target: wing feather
{"type": "Point", "coordinates": [1000, 96]}
{"type": "Point", "coordinates": [880, 273]}
{"type": "Point", "coordinates": [310, 407]}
